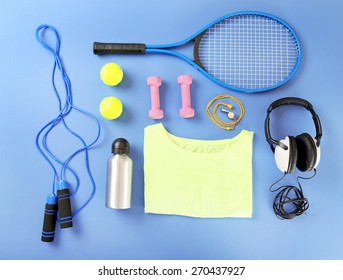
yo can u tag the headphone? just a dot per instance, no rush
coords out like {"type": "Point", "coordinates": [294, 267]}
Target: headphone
{"type": "Point", "coordinates": [301, 151]}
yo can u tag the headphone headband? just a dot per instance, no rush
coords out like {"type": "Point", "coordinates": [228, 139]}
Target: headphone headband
{"type": "Point", "coordinates": [291, 101]}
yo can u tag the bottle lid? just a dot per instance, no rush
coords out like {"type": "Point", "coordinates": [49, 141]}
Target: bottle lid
{"type": "Point", "coordinates": [120, 146]}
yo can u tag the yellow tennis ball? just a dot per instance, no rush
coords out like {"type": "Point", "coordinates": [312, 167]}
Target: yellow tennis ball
{"type": "Point", "coordinates": [111, 108]}
{"type": "Point", "coordinates": [111, 74]}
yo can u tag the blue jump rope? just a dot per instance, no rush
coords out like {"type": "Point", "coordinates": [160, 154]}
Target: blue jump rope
{"type": "Point", "coordinates": [58, 207]}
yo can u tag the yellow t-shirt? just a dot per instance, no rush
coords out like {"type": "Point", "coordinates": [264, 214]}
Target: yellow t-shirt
{"type": "Point", "coordinates": [197, 178]}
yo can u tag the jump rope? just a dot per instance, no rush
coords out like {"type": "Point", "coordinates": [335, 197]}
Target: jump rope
{"type": "Point", "coordinates": [58, 207]}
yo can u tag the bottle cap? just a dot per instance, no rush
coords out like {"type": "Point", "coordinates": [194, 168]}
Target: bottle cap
{"type": "Point", "coordinates": [120, 146]}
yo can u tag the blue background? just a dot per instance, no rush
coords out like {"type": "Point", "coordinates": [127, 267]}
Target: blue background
{"type": "Point", "coordinates": [100, 233]}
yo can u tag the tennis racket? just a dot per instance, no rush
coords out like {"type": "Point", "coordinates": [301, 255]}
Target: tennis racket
{"type": "Point", "coordinates": [244, 51]}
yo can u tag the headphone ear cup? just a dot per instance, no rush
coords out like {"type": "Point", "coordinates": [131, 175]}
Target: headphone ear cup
{"type": "Point", "coordinates": [286, 160]}
{"type": "Point", "coordinates": [318, 154]}
{"type": "Point", "coordinates": [308, 155]}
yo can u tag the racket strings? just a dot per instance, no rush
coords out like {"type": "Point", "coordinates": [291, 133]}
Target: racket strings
{"type": "Point", "coordinates": [249, 51]}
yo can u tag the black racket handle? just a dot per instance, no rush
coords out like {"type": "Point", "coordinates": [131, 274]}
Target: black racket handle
{"type": "Point", "coordinates": [64, 206]}
{"type": "Point", "coordinates": [50, 217]}
{"type": "Point", "coordinates": [111, 48]}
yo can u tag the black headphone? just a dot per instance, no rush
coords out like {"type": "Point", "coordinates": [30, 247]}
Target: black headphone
{"type": "Point", "coordinates": [301, 151]}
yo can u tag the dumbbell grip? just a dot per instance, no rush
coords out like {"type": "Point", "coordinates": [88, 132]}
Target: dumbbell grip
{"type": "Point", "coordinates": [155, 97]}
{"type": "Point", "coordinates": [186, 110]}
{"type": "Point", "coordinates": [185, 96]}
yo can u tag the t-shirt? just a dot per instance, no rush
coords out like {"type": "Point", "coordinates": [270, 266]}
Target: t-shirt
{"type": "Point", "coordinates": [197, 178]}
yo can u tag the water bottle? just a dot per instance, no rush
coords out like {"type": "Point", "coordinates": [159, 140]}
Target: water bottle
{"type": "Point", "coordinates": [119, 176]}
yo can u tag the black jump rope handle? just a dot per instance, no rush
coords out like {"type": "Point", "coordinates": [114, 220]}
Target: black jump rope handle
{"type": "Point", "coordinates": [112, 48]}
{"type": "Point", "coordinates": [50, 217]}
{"type": "Point", "coordinates": [64, 206]}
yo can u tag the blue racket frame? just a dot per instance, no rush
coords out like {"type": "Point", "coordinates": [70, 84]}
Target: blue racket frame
{"type": "Point", "coordinates": [196, 63]}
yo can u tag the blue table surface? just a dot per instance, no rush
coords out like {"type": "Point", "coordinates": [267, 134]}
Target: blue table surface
{"type": "Point", "coordinates": [28, 103]}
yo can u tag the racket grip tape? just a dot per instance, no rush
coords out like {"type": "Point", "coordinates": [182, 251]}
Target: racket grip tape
{"type": "Point", "coordinates": [64, 206]}
{"type": "Point", "coordinates": [50, 217]}
{"type": "Point", "coordinates": [111, 48]}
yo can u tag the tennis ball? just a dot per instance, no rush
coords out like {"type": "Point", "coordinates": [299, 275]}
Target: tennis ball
{"type": "Point", "coordinates": [111, 74]}
{"type": "Point", "coordinates": [111, 108]}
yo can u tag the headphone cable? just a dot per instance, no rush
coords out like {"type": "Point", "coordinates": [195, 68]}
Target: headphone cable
{"type": "Point", "coordinates": [290, 201]}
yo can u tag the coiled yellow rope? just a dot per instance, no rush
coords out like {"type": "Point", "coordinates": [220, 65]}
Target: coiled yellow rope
{"type": "Point", "coordinates": [213, 115]}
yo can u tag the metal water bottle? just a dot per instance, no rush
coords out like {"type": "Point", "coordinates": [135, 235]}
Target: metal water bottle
{"type": "Point", "coordinates": [119, 176]}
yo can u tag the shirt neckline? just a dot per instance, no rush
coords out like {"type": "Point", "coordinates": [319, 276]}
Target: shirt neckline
{"type": "Point", "coordinates": [172, 141]}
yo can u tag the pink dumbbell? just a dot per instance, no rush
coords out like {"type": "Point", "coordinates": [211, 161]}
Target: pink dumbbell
{"type": "Point", "coordinates": [155, 82]}
{"type": "Point", "coordinates": [185, 81]}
